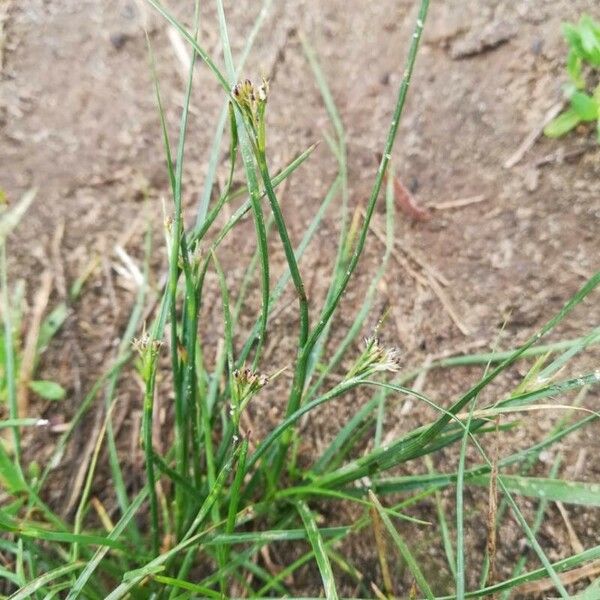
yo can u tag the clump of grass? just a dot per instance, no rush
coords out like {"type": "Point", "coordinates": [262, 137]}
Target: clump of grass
{"type": "Point", "coordinates": [212, 503]}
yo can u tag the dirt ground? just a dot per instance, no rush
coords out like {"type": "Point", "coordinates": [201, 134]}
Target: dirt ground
{"type": "Point", "coordinates": [78, 121]}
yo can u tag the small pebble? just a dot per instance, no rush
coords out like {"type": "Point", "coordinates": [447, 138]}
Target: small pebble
{"type": "Point", "coordinates": [118, 39]}
{"type": "Point", "coordinates": [537, 46]}
{"type": "Point", "coordinates": [531, 179]}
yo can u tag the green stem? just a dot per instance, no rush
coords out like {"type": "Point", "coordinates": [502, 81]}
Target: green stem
{"type": "Point", "coordinates": [11, 382]}
{"type": "Point", "coordinates": [389, 145]}
{"type": "Point", "coordinates": [149, 456]}
{"type": "Point", "coordinates": [288, 248]}
{"type": "Point", "coordinates": [301, 368]}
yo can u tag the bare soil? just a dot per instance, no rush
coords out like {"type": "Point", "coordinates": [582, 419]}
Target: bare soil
{"type": "Point", "coordinates": [78, 121]}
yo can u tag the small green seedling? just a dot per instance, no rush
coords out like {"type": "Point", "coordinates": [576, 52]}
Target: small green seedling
{"type": "Point", "coordinates": [583, 67]}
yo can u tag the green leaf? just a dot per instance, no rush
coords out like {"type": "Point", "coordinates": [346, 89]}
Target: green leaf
{"type": "Point", "coordinates": [274, 535]}
{"type": "Point", "coordinates": [49, 390]}
{"type": "Point", "coordinates": [27, 422]}
{"type": "Point", "coordinates": [562, 124]}
{"type": "Point", "coordinates": [316, 541]}
{"type": "Point", "coordinates": [70, 538]}
{"type": "Point", "coordinates": [186, 585]}
{"type": "Point", "coordinates": [101, 552]}
{"type": "Point", "coordinates": [590, 39]}
{"type": "Point", "coordinates": [39, 582]}
{"type": "Point", "coordinates": [51, 324]}
{"type": "Point", "coordinates": [571, 34]}
{"type": "Point", "coordinates": [574, 63]}
{"type": "Point", "coordinates": [569, 492]}
{"type": "Point", "coordinates": [584, 106]}
{"type": "Point", "coordinates": [10, 475]}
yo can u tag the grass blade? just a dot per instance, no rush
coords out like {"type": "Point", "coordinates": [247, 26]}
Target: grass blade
{"type": "Point", "coordinates": [95, 561]}
{"type": "Point", "coordinates": [39, 582]}
{"type": "Point", "coordinates": [555, 490]}
{"type": "Point", "coordinates": [403, 548]}
{"type": "Point", "coordinates": [186, 585]}
{"type": "Point", "coordinates": [460, 532]}
{"type": "Point", "coordinates": [316, 541]}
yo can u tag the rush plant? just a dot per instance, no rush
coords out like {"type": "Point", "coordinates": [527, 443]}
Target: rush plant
{"type": "Point", "coordinates": [216, 500]}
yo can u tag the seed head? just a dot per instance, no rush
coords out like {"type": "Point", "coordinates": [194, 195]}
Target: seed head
{"type": "Point", "coordinates": [379, 358]}
{"type": "Point", "coordinates": [251, 99]}
{"type": "Point", "coordinates": [146, 346]}
{"type": "Point", "coordinates": [248, 382]}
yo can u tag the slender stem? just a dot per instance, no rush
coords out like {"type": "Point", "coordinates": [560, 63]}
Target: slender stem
{"type": "Point", "coordinates": [301, 367]}
{"type": "Point", "coordinates": [261, 232]}
{"type": "Point", "coordinates": [288, 248]}
{"type": "Point", "coordinates": [234, 498]}
{"type": "Point", "coordinates": [11, 380]}
{"type": "Point", "coordinates": [149, 456]}
{"type": "Point", "coordinates": [389, 145]}
{"type": "Point", "coordinates": [338, 147]}
{"type": "Point", "coordinates": [190, 339]}
{"type": "Point", "coordinates": [245, 137]}
{"type": "Point", "coordinates": [460, 517]}
{"type": "Point", "coordinates": [184, 373]}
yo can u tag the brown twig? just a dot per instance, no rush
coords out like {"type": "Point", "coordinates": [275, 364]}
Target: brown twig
{"type": "Point", "coordinates": [378, 593]}
{"type": "Point", "coordinates": [532, 137]}
{"type": "Point", "coordinates": [274, 569]}
{"type": "Point", "coordinates": [102, 514]}
{"type": "Point", "coordinates": [580, 462]}
{"type": "Point", "coordinates": [443, 298]}
{"type": "Point", "coordinates": [562, 155]}
{"type": "Point", "coordinates": [576, 544]}
{"type": "Point", "coordinates": [58, 265]}
{"type": "Point", "coordinates": [110, 288]}
{"type": "Point", "coordinates": [567, 578]}
{"type": "Point", "coordinates": [83, 460]}
{"type": "Point", "coordinates": [431, 278]}
{"type": "Point", "coordinates": [398, 257]}
{"type": "Point", "coordinates": [28, 357]}
{"type": "Point", "coordinates": [421, 262]}
{"type": "Point", "coordinates": [418, 277]}
{"type": "Point", "coordinates": [381, 551]}
{"type": "Point", "coordinates": [458, 203]}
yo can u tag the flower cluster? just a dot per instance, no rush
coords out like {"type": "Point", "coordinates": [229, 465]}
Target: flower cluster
{"type": "Point", "coordinates": [252, 101]}
{"type": "Point", "coordinates": [247, 383]}
{"type": "Point", "coordinates": [148, 349]}
{"type": "Point", "coordinates": [145, 344]}
{"type": "Point", "coordinates": [249, 97]}
{"type": "Point", "coordinates": [375, 358]}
